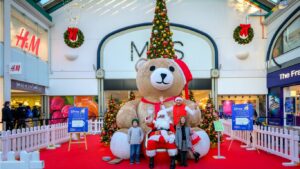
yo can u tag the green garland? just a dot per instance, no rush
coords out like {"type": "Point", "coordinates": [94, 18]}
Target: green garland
{"type": "Point", "coordinates": [239, 40]}
{"type": "Point", "coordinates": [76, 44]}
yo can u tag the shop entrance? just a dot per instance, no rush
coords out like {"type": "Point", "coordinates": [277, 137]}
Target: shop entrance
{"type": "Point", "coordinates": [27, 103]}
{"type": "Point", "coordinates": [27, 108]}
{"type": "Point", "coordinates": [292, 105]}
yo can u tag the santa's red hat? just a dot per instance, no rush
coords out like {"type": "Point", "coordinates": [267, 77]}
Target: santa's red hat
{"type": "Point", "coordinates": [184, 69]}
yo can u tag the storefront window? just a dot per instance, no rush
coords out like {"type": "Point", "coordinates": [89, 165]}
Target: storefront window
{"type": "Point", "coordinates": [200, 96]}
{"type": "Point", "coordinates": [292, 105]}
{"type": "Point", "coordinates": [225, 103]}
{"type": "Point", "coordinates": [288, 40]}
{"type": "Point", "coordinates": [28, 35]}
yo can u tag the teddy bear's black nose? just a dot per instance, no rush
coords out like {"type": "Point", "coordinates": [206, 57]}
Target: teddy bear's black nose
{"type": "Point", "coordinates": [163, 76]}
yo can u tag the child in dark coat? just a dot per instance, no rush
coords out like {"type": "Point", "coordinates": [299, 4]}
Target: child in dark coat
{"type": "Point", "coordinates": [183, 142]}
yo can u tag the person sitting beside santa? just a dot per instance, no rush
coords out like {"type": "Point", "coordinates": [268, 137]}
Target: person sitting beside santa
{"type": "Point", "coordinates": [179, 110]}
{"type": "Point", "coordinates": [161, 136]}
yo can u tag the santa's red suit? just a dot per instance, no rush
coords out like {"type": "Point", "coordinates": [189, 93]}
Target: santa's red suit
{"type": "Point", "coordinates": [162, 135]}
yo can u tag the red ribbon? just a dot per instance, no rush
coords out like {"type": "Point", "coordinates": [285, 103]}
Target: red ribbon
{"type": "Point", "coordinates": [157, 104]}
{"type": "Point", "coordinates": [244, 29]}
{"type": "Point", "coordinates": [72, 33]}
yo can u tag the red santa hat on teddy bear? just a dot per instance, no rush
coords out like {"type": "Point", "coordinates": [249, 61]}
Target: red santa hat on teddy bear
{"type": "Point", "coordinates": [186, 73]}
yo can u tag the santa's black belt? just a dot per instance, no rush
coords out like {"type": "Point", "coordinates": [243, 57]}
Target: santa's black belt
{"type": "Point", "coordinates": [154, 130]}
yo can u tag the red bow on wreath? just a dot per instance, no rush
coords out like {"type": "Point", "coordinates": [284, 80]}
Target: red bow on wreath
{"type": "Point", "coordinates": [72, 33]}
{"type": "Point", "coordinates": [244, 29]}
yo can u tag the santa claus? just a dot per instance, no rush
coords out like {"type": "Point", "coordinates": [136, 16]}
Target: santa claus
{"type": "Point", "coordinates": [162, 136]}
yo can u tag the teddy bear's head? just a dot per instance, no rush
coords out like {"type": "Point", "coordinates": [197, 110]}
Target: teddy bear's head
{"type": "Point", "coordinates": [159, 77]}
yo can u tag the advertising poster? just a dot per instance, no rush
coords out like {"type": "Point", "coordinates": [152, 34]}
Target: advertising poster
{"type": "Point", "coordinates": [289, 120]}
{"type": "Point", "coordinates": [60, 105]}
{"type": "Point", "coordinates": [290, 104]}
{"type": "Point", "coordinates": [242, 117]}
{"type": "Point", "coordinates": [275, 107]}
{"type": "Point", "coordinates": [227, 104]}
{"type": "Point", "coordinates": [78, 119]}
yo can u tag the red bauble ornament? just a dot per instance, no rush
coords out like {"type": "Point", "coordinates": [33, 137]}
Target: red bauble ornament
{"type": "Point", "coordinates": [165, 56]}
{"type": "Point", "coordinates": [165, 43]}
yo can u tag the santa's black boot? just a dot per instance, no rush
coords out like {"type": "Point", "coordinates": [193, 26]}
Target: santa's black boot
{"type": "Point", "coordinates": [196, 156]}
{"type": "Point", "coordinates": [172, 165]}
{"type": "Point", "coordinates": [151, 164]}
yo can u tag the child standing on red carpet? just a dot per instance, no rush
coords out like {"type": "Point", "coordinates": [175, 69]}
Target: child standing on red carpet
{"type": "Point", "coordinates": [135, 138]}
{"type": "Point", "coordinates": [182, 139]}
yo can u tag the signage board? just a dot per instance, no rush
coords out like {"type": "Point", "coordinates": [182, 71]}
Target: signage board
{"type": "Point", "coordinates": [242, 117]}
{"type": "Point", "coordinates": [78, 120]}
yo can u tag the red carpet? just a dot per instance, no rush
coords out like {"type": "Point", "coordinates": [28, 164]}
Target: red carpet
{"type": "Point", "coordinates": [236, 158]}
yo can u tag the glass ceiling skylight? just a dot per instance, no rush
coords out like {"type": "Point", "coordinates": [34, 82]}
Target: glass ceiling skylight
{"type": "Point", "coordinates": [44, 2]}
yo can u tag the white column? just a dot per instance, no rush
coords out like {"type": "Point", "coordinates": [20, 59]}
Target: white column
{"type": "Point", "coordinates": [5, 82]}
{"type": "Point", "coordinates": [7, 48]}
{"type": "Point", "coordinates": [1, 98]}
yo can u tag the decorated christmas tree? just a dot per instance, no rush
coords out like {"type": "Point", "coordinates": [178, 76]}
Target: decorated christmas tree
{"type": "Point", "coordinates": [161, 44]}
{"type": "Point", "coordinates": [110, 125]}
{"type": "Point", "coordinates": [131, 96]}
{"type": "Point", "coordinates": [192, 98]}
{"type": "Point", "coordinates": [209, 115]}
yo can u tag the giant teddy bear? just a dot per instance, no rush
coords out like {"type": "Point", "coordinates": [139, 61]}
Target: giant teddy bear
{"type": "Point", "coordinates": [156, 79]}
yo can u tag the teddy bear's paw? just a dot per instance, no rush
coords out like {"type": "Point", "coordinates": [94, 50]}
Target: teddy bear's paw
{"type": "Point", "coordinates": [203, 146]}
{"type": "Point", "coordinates": [119, 145]}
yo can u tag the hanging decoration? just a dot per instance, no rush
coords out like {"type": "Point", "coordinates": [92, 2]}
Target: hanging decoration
{"type": "Point", "coordinates": [243, 34]}
{"type": "Point", "coordinates": [73, 37]}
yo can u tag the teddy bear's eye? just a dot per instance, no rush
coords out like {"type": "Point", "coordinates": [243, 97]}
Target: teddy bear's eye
{"type": "Point", "coordinates": [152, 68]}
{"type": "Point", "coordinates": [171, 68]}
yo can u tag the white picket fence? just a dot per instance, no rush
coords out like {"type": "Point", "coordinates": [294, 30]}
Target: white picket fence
{"type": "Point", "coordinates": [27, 161]}
{"type": "Point", "coordinates": [277, 141]}
{"type": "Point", "coordinates": [32, 139]}
{"type": "Point", "coordinates": [35, 138]}
{"type": "Point", "coordinates": [95, 126]}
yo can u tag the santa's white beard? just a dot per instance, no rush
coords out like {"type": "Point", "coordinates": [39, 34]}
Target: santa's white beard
{"type": "Point", "coordinates": [162, 123]}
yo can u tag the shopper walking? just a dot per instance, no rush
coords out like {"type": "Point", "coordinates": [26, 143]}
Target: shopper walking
{"type": "Point", "coordinates": [36, 115]}
{"type": "Point", "coordinates": [21, 111]}
{"type": "Point", "coordinates": [7, 116]}
{"type": "Point", "coordinates": [29, 116]}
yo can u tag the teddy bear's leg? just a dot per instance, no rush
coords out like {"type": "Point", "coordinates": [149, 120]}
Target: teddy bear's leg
{"type": "Point", "coordinates": [119, 145]}
{"type": "Point", "coordinates": [202, 146]}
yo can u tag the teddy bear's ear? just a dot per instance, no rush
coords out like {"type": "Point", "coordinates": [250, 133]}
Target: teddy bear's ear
{"type": "Point", "coordinates": [140, 63]}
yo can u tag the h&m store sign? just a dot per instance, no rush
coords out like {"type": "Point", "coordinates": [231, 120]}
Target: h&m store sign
{"type": "Point", "coordinates": [286, 76]}
{"type": "Point", "coordinates": [121, 51]}
{"type": "Point", "coordinates": [28, 41]}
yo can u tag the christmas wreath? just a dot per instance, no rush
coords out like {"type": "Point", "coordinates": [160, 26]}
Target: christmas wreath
{"type": "Point", "coordinates": [73, 37]}
{"type": "Point", "coordinates": [243, 34]}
